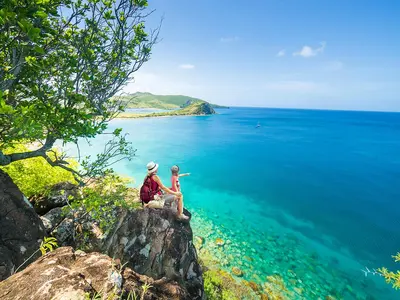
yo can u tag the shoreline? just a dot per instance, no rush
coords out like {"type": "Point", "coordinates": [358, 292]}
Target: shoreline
{"type": "Point", "coordinates": [138, 116]}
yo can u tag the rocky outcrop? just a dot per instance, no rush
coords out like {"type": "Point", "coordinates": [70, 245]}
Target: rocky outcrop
{"type": "Point", "coordinates": [21, 230]}
{"type": "Point", "coordinates": [197, 108]}
{"type": "Point", "coordinates": [150, 241]}
{"type": "Point", "coordinates": [52, 219]}
{"type": "Point", "coordinates": [206, 109]}
{"type": "Point", "coordinates": [65, 274]}
{"type": "Point", "coordinates": [153, 242]}
{"type": "Point", "coordinates": [57, 197]}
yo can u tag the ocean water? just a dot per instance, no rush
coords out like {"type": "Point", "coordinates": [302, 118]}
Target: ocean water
{"type": "Point", "coordinates": [312, 196]}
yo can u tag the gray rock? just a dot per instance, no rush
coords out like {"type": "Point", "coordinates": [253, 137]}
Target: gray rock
{"type": "Point", "coordinates": [154, 243]}
{"type": "Point", "coordinates": [52, 219]}
{"type": "Point", "coordinates": [21, 229]}
{"type": "Point", "coordinates": [57, 197]}
{"type": "Point", "coordinates": [64, 233]}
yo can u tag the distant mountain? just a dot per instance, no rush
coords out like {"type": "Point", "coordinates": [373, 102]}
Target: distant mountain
{"type": "Point", "coordinates": [198, 108]}
{"type": "Point", "coordinates": [148, 100]}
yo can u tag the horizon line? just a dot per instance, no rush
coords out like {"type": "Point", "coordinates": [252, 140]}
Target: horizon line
{"type": "Point", "coordinates": [319, 109]}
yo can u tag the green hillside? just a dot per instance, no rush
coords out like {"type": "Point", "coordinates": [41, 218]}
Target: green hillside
{"type": "Point", "coordinates": [147, 100]}
{"type": "Point", "coordinates": [199, 108]}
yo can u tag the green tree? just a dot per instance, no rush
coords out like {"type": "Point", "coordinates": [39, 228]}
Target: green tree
{"type": "Point", "coordinates": [61, 63]}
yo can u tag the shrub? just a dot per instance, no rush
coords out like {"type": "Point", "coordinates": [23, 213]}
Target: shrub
{"type": "Point", "coordinates": [34, 176]}
{"type": "Point", "coordinates": [102, 198]}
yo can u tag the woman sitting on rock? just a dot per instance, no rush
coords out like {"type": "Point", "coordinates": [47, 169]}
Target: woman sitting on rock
{"type": "Point", "coordinates": [151, 195]}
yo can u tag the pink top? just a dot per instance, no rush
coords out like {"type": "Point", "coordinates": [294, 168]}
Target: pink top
{"type": "Point", "coordinates": [175, 179]}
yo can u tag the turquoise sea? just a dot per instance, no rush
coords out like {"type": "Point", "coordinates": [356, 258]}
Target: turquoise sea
{"type": "Point", "coordinates": [310, 195]}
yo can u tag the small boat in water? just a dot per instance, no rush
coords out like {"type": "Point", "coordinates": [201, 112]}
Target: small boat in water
{"type": "Point", "coordinates": [258, 125]}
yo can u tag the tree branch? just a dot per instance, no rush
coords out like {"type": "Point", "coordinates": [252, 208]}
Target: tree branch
{"type": "Point", "coordinates": [6, 159]}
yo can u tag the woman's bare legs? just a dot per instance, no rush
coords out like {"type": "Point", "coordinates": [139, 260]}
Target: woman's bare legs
{"type": "Point", "coordinates": [180, 205]}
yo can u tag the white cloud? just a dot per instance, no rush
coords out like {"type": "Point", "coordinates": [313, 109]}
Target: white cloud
{"type": "Point", "coordinates": [281, 53]}
{"type": "Point", "coordinates": [307, 51]}
{"type": "Point", "coordinates": [161, 84]}
{"type": "Point", "coordinates": [229, 39]}
{"type": "Point", "coordinates": [334, 66]}
{"type": "Point", "coordinates": [292, 86]}
{"type": "Point", "coordinates": [186, 66]}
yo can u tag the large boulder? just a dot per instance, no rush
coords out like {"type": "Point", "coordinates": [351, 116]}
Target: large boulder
{"type": "Point", "coordinates": [150, 241]}
{"type": "Point", "coordinates": [21, 229]}
{"type": "Point", "coordinates": [57, 196]}
{"type": "Point", "coordinates": [153, 242]}
{"type": "Point", "coordinates": [65, 274]}
{"type": "Point", "coordinates": [52, 219]}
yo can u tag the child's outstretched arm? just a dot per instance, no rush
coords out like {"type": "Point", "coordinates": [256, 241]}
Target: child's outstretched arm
{"type": "Point", "coordinates": [184, 174]}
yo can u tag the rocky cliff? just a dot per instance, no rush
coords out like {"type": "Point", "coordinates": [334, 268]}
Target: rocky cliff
{"type": "Point", "coordinates": [21, 229]}
{"type": "Point", "coordinates": [150, 242]}
{"type": "Point", "coordinates": [154, 243]}
{"type": "Point", "coordinates": [66, 274]}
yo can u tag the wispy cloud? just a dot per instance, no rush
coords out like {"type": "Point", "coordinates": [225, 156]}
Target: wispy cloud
{"type": "Point", "coordinates": [292, 86]}
{"type": "Point", "coordinates": [186, 66]}
{"type": "Point", "coordinates": [229, 39]}
{"type": "Point", "coordinates": [307, 51]}
{"type": "Point", "coordinates": [281, 53]}
{"type": "Point", "coordinates": [162, 84]}
{"type": "Point", "coordinates": [334, 66]}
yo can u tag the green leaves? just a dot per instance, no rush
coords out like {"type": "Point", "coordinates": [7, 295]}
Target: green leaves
{"type": "Point", "coordinates": [4, 108]}
{"type": "Point", "coordinates": [141, 3]}
{"type": "Point", "coordinates": [39, 50]}
{"type": "Point", "coordinates": [29, 29]}
{"type": "Point", "coordinates": [49, 244]}
{"type": "Point", "coordinates": [31, 60]}
{"type": "Point", "coordinates": [102, 198]}
{"type": "Point", "coordinates": [40, 14]}
{"type": "Point", "coordinates": [108, 15]}
{"type": "Point", "coordinates": [63, 71]}
{"type": "Point", "coordinates": [117, 131]}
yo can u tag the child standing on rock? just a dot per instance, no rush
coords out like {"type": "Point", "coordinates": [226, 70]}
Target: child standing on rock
{"type": "Point", "coordinates": [176, 187]}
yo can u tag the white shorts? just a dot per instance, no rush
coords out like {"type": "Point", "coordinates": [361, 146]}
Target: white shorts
{"type": "Point", "coordinates": [159, 201]}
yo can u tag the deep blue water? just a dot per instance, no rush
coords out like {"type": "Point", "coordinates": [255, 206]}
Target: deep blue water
{"type": "Point", "coordinates": [331, 177]}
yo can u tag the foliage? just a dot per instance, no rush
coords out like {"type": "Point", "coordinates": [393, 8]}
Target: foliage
{"type": "Point", "coordinates": [34, 176]}
{"type": "Point", "coordinates": [61, 62]}
{"type": "Point", "coordinates": [102, 198]}
{"type": "Point", "coordinates": [48, 245]}
{"type": "Point", "coordinates": [220, 285]}
{"type": "Point", "coordinates": [392, 277]}
{"type": "Point", "coordinates": [145, 288]}
{"type": "Point", "coordinates": [111, 296]}
{"type": "Point", "coordinates": [131, 295]}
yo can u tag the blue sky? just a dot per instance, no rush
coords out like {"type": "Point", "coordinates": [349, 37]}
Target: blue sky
{"type": "Point", "coordinates": [303, 54]}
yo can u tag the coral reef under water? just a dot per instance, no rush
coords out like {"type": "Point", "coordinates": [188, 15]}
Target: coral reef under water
{"type": "Point", "coordinates": [254, 264]}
